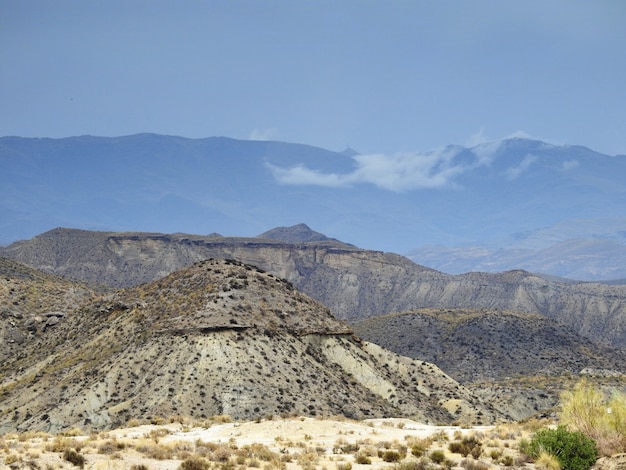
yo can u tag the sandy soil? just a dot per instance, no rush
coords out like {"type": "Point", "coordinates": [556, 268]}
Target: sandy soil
{"type": "Point", "coordinates": [319, 440]}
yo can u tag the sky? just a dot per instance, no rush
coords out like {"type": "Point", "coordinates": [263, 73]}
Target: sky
{"type": "Point", "coordinates": [385, 77]}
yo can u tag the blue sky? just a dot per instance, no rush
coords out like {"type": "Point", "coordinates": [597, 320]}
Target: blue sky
{"type": "Point", "coordinates": [379, 76]}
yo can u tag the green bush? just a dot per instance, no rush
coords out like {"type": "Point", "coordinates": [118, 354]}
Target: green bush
{"type": "Point", "coordinates": [573, 449]}
{"type": "Point", "coordinates": [437, 456]}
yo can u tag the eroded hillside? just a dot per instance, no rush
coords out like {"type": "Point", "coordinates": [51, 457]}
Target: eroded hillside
{"type": "Point", "coordinates": [219, 337]}
{"type": "Point", "coordinates": [353, 283]}
{"type": "Point", "coordinates": [31, 304]}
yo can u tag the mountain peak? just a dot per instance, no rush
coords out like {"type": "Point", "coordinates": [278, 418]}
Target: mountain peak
{"type": "Point", "coordinates": [300, 233]}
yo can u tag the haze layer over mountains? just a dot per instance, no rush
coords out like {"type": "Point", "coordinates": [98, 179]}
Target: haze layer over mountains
{"type": "Point", "coordinates": [517, 203]}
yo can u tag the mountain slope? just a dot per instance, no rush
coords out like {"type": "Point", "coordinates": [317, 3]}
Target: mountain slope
{"type": "Point", "coordinates": [477, 345]}
{"type": "Point", "coordinates": [353, 283]}
{"type": "Point", "coordinates": [32, 303]}
{"type": "Point", "coordinates": [218, 337]}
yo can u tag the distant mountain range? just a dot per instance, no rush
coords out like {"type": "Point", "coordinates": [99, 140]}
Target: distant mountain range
{"type": "Point", "coordinates": [517, 203]}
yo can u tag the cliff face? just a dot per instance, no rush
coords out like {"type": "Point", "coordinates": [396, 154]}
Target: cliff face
{"type": "Point", "coordinates": [353, 283]}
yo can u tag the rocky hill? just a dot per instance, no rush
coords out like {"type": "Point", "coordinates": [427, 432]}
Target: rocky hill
{"type": "Point", "coordinates": [520, 363]}
{"type": "Point", "coordinates": [219, 337]}
{"type": "Point", "coordinates": [352, 282]}
{"type": "Point", "coordinates": [32, 303]}
{"type": "Point", "coordinates": [478, 345]}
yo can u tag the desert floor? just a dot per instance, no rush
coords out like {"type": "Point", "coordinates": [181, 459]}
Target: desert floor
{"type": "Point", "coordinates": [282, 444]}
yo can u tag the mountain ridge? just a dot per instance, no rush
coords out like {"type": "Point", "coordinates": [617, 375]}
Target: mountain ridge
{"type": "Point", "coordinates": [354, 283]}
{"type": "Point", "coordinates": [484, 195]}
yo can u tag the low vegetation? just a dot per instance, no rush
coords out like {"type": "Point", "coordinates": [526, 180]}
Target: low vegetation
{"type": "Point", "coordinates": [391, 444]}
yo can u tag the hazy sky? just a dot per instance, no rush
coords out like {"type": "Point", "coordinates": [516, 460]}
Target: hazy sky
{"type": "Point", "coordinates": [380, 76]}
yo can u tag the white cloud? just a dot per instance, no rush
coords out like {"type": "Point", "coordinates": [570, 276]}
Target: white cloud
{"type": "Point", "coordinates": [300, 175]}
{"type": "Point", "coordinates": [264, 134]}
{"type": "Point", "coordinates": [409, 171]}
{"type": "Point", "coordinates": [514, 171]}
{"type": "Point", "coordinates": [401, 172]}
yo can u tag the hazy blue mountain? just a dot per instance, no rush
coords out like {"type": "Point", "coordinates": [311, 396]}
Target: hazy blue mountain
{"type": "Point", "coordinates": [518, 194]}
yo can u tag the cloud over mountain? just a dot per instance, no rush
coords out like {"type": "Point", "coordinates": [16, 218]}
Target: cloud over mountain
{"type": "Point", "coordinates": [399, 172]}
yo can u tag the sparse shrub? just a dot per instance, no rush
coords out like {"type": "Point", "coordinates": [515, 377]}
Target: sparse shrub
{"type": "Point", "coordinates": [195, 463]}
{"type": "Point", "coordinates": [418, 449]}
{"type": "Point", "coordinates": [440, 436]}
{"type": "Point", "coordinates": [138, 467]}
{"type": "Point", "coordinates": [59, 444]}
{"type": "Point", "coordinates": [74, 457]}
{"type": "Point", "coordinates": [391, 456]}
{"type": "Point", "coordinates": [221, 453]}
{"type": "Point", "coordinates": [468, 445]}
{"type": "Point", "coordinates": [72, 432]}
{"type": "Point", "coordinates": [344, 466]}
{"type": "Point", "coordinates": [469, 464]}
{"type": "Point", "coordinates": [344, 447]}
{"type": "Point", "coordinates": [110, 446]}
{"type": "Point", "coordinates": [156, 434]}
{"type": "Point", "coordinates": [437, 456]}
{"type": "Point", "coordinates": [546, 461]}
{"type": "Point", "coordinates": [573, 449]}
{"type": "Point", "coordinates": [157, 451]}
{"type": "Point", "coordinates": [422, 464]}
{"type": "Point", "coordinates": [11, 459]}
{"type": "Point", "coordinates": [457, 448]}
{"type": "Point", "coordinates": [362, 459]}
{"type": "Point", "coordinates": [447, 464]}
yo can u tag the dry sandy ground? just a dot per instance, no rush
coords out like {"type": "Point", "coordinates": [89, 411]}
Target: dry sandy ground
{"type": "Point", "coordinates": [299, 438]}
{"type": "Point", "coordinates": [317, 431]}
